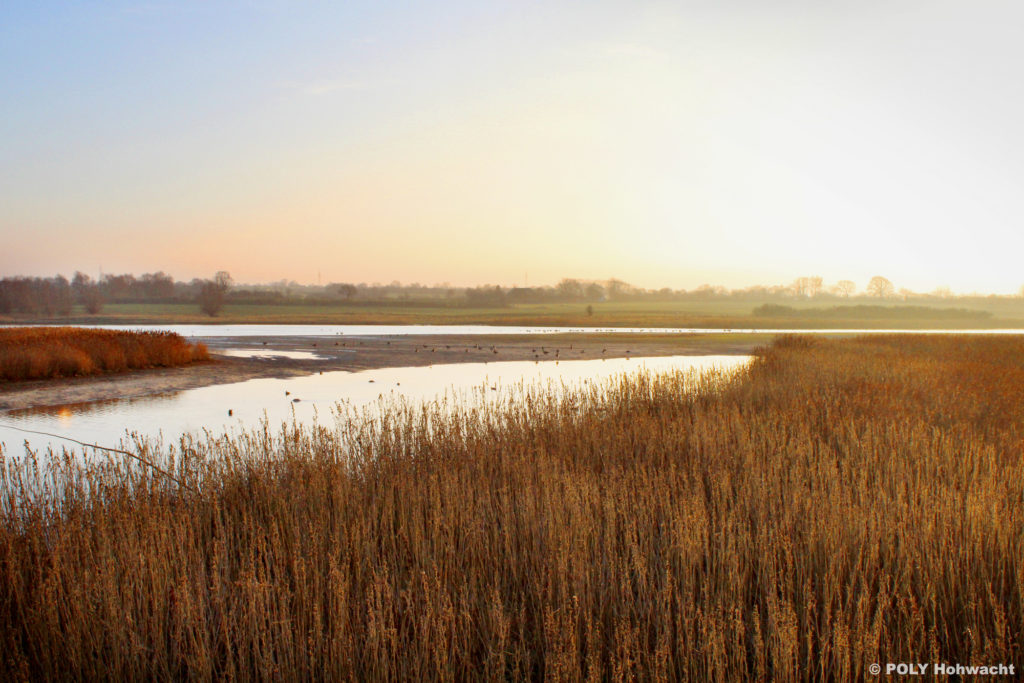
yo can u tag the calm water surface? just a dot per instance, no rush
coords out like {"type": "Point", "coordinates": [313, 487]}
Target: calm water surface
{"type": "Point", "coordinates": [170, 415]}
{"type": "Point", "coordinates": [386, 330]}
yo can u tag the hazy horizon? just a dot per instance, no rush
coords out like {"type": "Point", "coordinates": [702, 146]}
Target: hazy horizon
{"type": "Point", "coordinates": [825, 287]}
{"type": "Point", "coordinates": [664, 144]}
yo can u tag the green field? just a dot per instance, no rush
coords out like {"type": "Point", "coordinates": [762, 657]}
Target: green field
{"type": "Point", "coordinates": [724, 314]}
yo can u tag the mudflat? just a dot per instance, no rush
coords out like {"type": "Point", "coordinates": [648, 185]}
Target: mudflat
{"type": "Point", "coordinates": [364, 353]}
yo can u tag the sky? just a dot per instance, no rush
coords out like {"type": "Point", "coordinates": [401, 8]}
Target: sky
{"type": "Point", "coordinates": [729, 142]}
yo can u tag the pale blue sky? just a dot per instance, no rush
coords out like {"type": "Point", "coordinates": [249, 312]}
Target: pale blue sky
{"type": "Point", "coordinates": [667, 144]}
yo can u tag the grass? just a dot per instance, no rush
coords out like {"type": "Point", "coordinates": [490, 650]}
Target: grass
{"type": "Point", "coordinates": [48, 352]}
{"type": "Point", "coordinates": [839, 503]}
{"type": "Point", "coordinates": [700, 314]}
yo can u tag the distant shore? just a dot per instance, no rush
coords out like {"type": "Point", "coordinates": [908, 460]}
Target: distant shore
{"type": "Point", "coordinates": [365, 353]}
{"type": "Point", "coordinates": [717, 314]}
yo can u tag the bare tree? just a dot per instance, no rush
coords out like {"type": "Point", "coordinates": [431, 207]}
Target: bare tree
{"type": "Point", "coordinates": [814, 285]}
{"type": "Point", "coordinates": [846, 288]}
{"type": "Point", "coordinates": [87, 292]}
{"type": "Point", "coordinates": [212, 293]}
{"type": "Point", "coordinates": [92, 299]}
{"type": "Point", "coordinates": [880, 287]}
{"type": "Point", "coordinates": [570, 289]}
{"type": "Point", "coordinates": [79, 283]}
{"type": "Point", "coordinates": [223, 279]}
{"type": "Point", "coordinates": [346, 290]}
{"type": "Point", "coordinates": [807, 286]}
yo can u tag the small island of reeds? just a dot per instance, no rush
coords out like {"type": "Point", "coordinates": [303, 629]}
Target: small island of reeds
{"type": "Point", "coordinates": [28, 353]}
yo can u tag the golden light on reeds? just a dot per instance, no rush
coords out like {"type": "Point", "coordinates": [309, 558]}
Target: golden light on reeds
{"type": "Point", "coordinates": [837, 504]}
{"type": "Point", "coordinates": [46, 352]}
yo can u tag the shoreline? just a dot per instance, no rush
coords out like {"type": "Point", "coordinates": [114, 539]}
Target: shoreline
{"type": "Point", "coordinates": [363, 353]}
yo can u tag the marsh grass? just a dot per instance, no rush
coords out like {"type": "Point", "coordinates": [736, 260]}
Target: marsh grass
{"type": "Point", "coordinates": [48, 352]}
{"type": "Point", "coordinates": [836, 504]}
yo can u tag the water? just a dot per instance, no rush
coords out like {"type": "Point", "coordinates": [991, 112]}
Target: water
{"type": "Point", "coordinates": [271, 354]}
{"type": "Point", "coordinates": [205, 331]}
{"type": "Point", "coordinates": [192, 411]}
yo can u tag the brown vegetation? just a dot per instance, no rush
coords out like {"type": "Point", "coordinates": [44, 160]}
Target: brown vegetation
{"type": "Point", "coordinates": [47, 352]}
{"type": "Point", "coordinates": [840, 503]}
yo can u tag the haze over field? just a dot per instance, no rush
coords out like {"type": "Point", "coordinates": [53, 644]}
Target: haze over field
{"type": "Point", "coordinates": [665, 144]}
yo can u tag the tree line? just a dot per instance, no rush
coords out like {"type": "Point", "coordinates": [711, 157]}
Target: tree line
{"type": "Point", "coordinates": [58, 295]}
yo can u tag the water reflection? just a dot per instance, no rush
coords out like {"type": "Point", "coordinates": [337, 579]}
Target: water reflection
{"type": "Point", "coordinates": [68, 412]}
{"type": "Point", "coordinates": [267, 353]}
{"type": "Point", "coordinates": [229, 408]}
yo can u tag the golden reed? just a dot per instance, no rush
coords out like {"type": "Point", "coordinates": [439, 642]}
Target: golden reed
{"type": "Point", "coordinates": [48, 352]}
{"type": "Point", "coordinates": [838, 504]}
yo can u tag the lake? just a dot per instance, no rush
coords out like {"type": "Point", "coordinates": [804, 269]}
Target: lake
{"type": "Point", "coordinates": [303, 399]}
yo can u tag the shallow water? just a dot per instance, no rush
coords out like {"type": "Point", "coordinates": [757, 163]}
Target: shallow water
{"type": "Point", "coordinates": [280, 400]}
{"type": "Point", "coordinates": [269, 354]}
{"type": "Point", "coordinates": [200, 331]}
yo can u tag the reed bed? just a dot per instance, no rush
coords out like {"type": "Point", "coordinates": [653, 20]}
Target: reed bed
{"type": "Point", "coordinates": [838, 503]}
{"type": "Point", "coordinates": [49, 352]}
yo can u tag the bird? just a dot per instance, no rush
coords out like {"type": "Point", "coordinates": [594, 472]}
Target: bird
{"type": "Point", "coordinates": [287, 393]}
{"type": "Point", "coordinates": [230, 412]}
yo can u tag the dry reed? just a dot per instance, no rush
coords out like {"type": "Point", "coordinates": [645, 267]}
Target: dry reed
{"type": "Point", "coordinates": [48, 352]}
{"type": "Point", "coordinates": [839, 503]}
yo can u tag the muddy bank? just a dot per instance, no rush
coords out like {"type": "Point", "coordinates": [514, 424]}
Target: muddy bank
{"type": "Point", "coordinates": [324, 354]}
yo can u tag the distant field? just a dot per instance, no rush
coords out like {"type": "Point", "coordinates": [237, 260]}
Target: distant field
{"type": "Point", "coordinates": [726, 314]}
{"type": "Point", "coordinates": [34, 353]}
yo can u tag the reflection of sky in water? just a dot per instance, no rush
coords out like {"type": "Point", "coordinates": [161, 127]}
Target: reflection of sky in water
{"type": "Point", "coordinates": [193, 410]}
{"type": "Point", "coordinates": [267, 353]}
